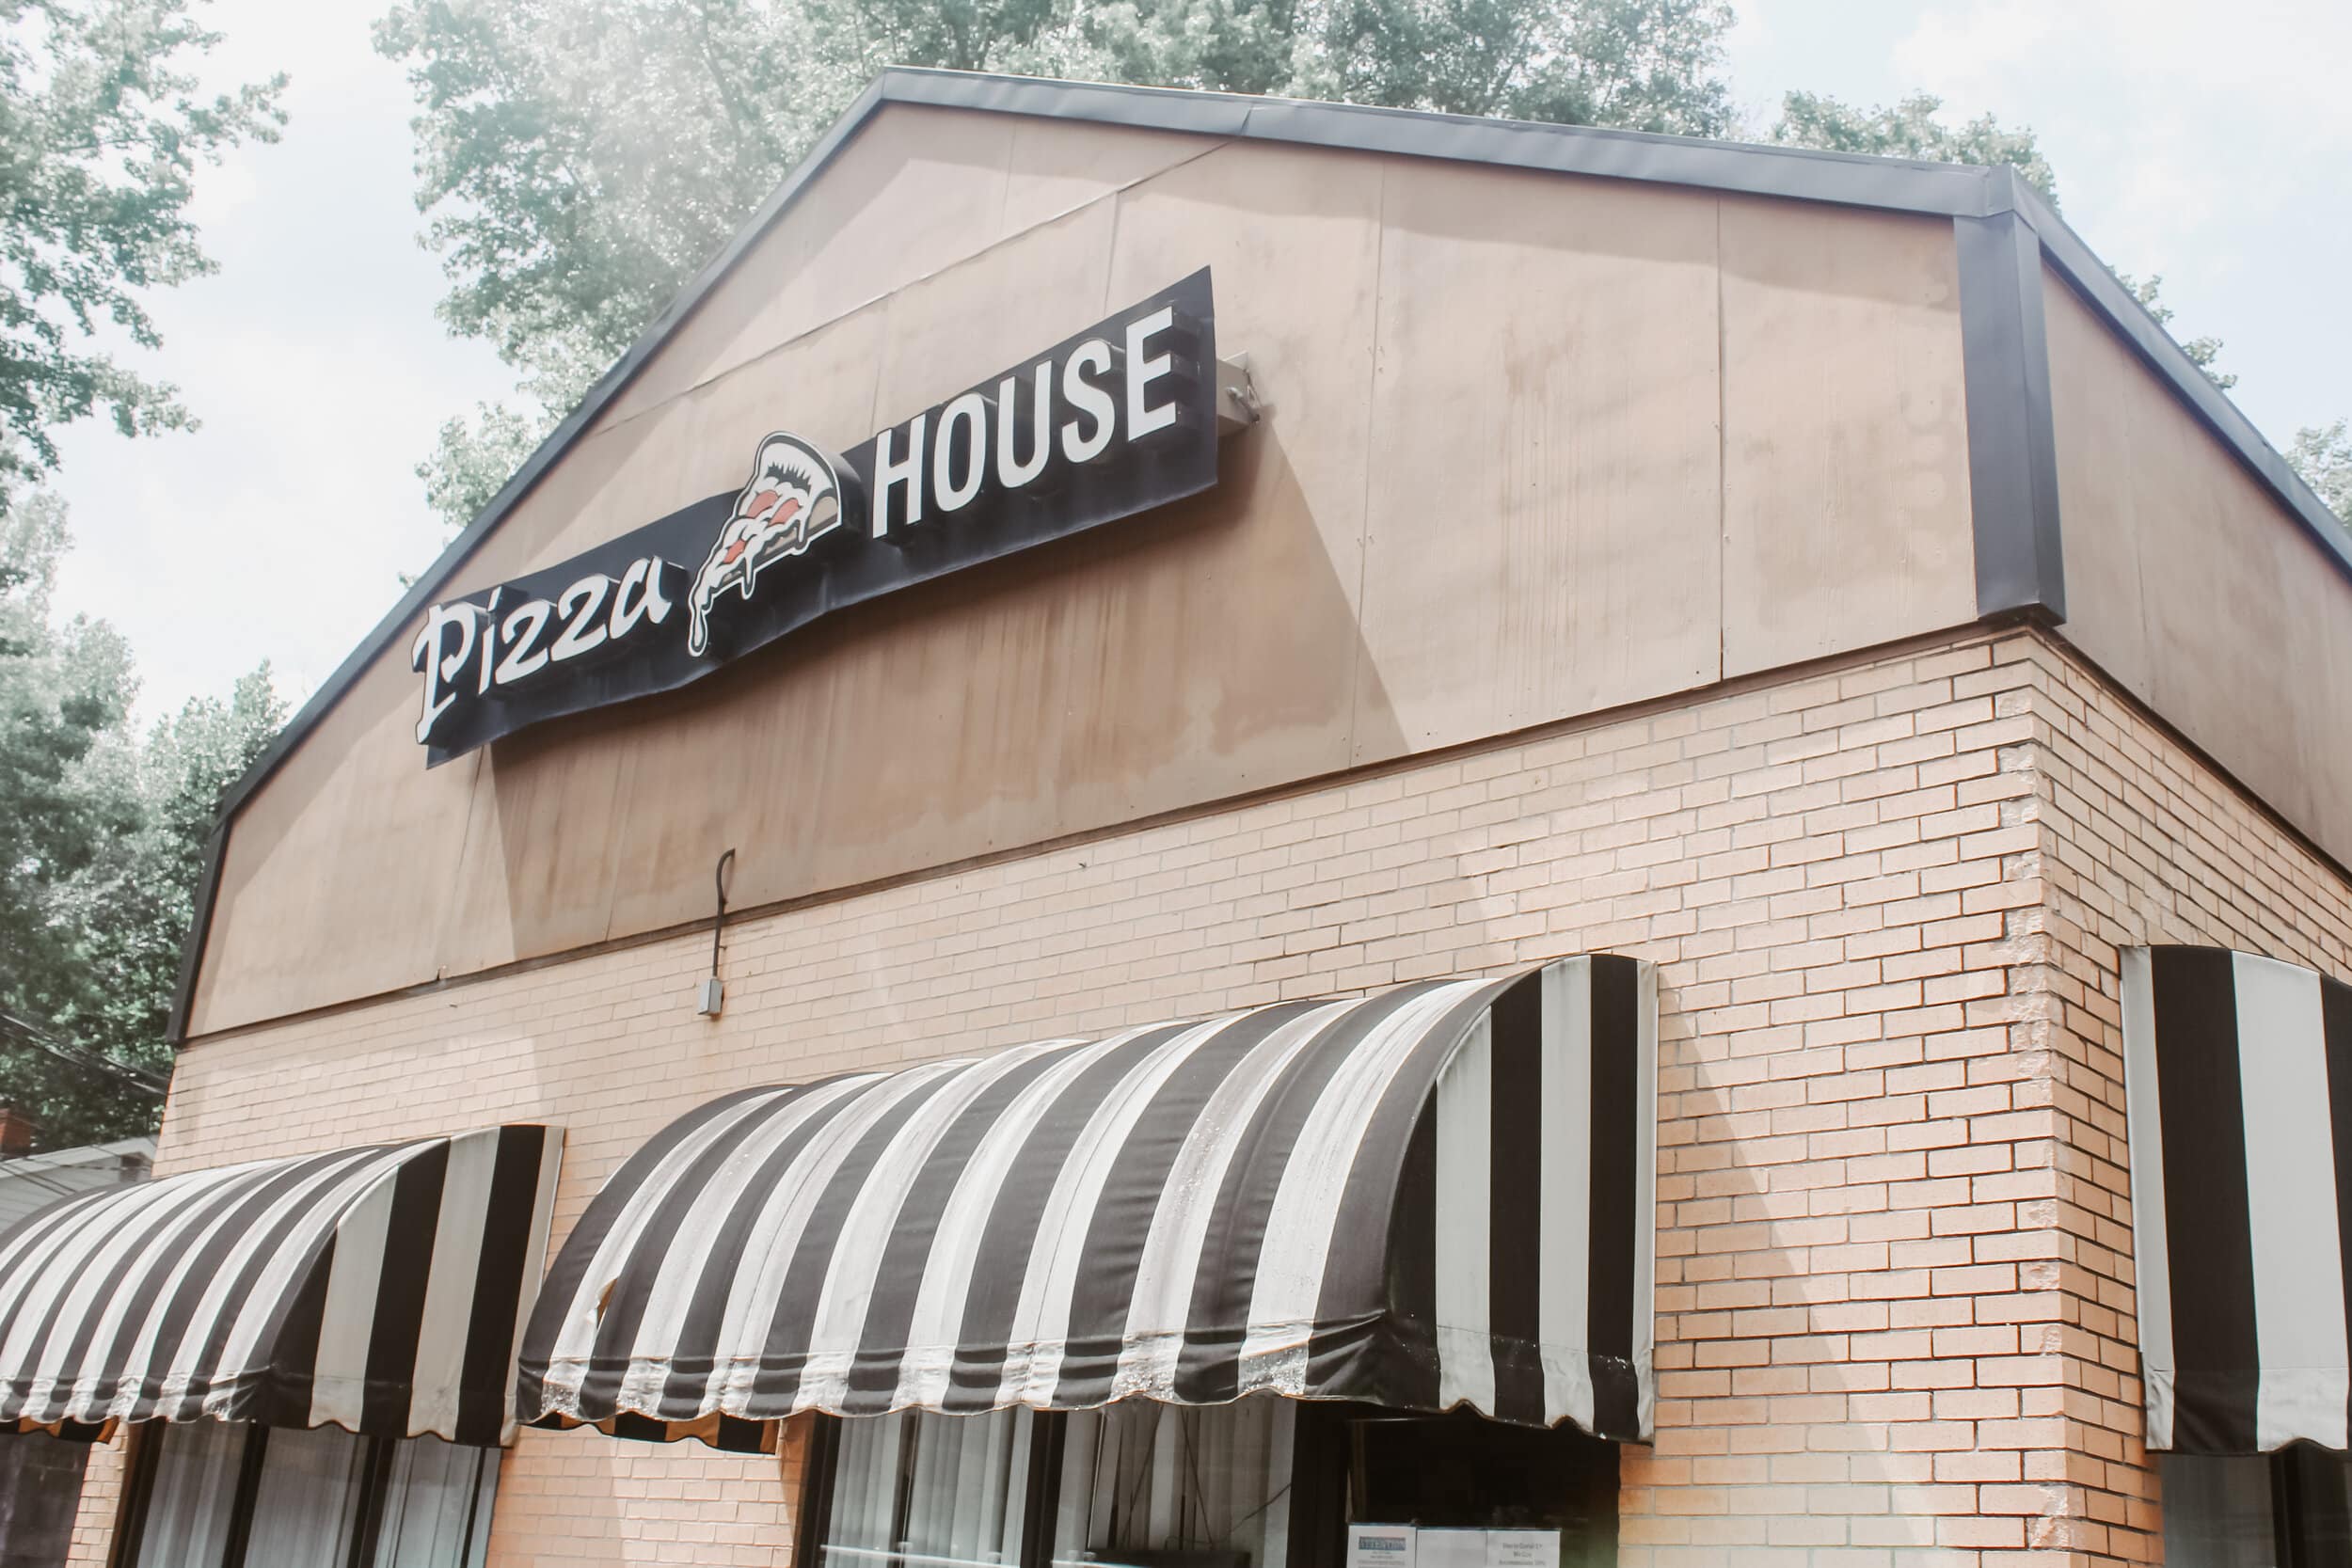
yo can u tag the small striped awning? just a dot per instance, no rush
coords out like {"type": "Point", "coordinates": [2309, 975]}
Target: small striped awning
{"type": "Point", "coordinates": [378, 1289]}
{"type": "Point", "coordinates": [2237, 1074]}
{"type": "Point", "coordinates": [1437, 1196]}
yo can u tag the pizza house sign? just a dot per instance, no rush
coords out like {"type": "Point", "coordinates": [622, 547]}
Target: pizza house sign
{"type": "Point", "coordinates": [1119, 419]}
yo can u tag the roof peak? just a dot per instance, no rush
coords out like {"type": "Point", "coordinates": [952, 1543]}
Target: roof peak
{"type": "Point", "coordinates": [1956, 191]}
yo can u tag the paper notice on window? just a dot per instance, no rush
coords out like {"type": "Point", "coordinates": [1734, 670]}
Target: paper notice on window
{"type": "Point", "coordinates": [1449, 1548]}
{"type": "Point", "coordinates": [1380, 1546]}
{"type": "Point", "coordinates": [1522, 1548]}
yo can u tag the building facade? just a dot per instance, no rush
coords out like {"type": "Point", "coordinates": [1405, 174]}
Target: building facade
{"type": "Point", "coordinates": [1807, 579]}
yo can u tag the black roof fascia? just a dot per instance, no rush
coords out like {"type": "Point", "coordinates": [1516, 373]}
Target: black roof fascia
{"type": "Point", "coordinates": [2012, 436]}
{"type": "Point", "coordinates": [199, 927]}
{"type": "Point", "coordinates": [1854, 179]}
{"type": "Point", "coordinates": [1803, 174]}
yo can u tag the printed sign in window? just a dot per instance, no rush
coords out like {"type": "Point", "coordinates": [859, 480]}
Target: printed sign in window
{"type": "Point", "coordinates": [1522, 1548]}
{"type": "Point", "coordinates": [1380, 1546]}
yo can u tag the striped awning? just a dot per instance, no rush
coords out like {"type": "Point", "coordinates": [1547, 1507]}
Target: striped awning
{"type": "Point", "coordinates": [1439, 1195]}
{"type": "Point", "coordinates": [2238, 1076]}
{"type": "Point", "coordinates": [378, 1289]}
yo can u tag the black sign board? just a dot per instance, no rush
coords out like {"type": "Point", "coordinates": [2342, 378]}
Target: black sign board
{"type": "Point", "coordinates": [1116, 420]}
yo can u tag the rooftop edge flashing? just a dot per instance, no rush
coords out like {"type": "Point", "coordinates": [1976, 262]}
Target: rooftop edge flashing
{"type": "Point", "coordinates": [1801, 174]}
{"type": "Point", "coordinates": [2012, 438]}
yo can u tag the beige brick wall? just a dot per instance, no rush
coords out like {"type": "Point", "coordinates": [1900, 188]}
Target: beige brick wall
{"type": "Point", "coordinates": [1894, 1283]}
{"type": "Point", "coordinates": [2141, 842]}
{"type": "Point", "coordinates": [102, 1504]}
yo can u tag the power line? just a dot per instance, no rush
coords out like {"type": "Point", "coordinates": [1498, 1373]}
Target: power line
{"type": "Point", "coordinates": [140, 1079]}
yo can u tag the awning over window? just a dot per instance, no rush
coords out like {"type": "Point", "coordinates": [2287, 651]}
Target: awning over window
{"type": "Point", "coordinates": [377, 1289]}
{"type": "Point", "coordinates": [2238, 1074]}
{"type": "Point", "coordinates": [1435, 1196]}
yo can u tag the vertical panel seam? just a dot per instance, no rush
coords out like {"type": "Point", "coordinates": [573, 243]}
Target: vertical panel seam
{"type": "Point", "coordinates": [1372, 437]}
{"type": "Point", "coordinates": [1723, 459]}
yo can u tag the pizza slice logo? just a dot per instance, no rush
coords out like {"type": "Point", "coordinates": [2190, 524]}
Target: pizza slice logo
{"type": "Point", "coordinates": [793, 500]}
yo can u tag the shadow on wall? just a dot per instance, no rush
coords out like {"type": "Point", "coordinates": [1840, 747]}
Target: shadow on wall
{"type": "Point", "coordinates": [580, 1499]}
{"type": "Point", "coordinates": [1810, 1399]}
{"type": "Point", "coordinates": [1202, 652]}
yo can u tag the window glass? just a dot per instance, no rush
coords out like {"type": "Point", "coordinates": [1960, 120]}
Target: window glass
{"type": "Point", "coordinates": [2217, 1511]}
{"type": "Point", "coordinates": [969, 1484]}
{"type": "Point", "coordinates": [307, 1508]}
{"type": "Point", "coordinates": [1263, 1482]}
{"type": "Point", "coordinates": [1161, 1485]}
{"type": "Point", "coordinates": [321, 1498]}
{"type": "Point", "coordinates": [930, 1489]}
{"type": "Point", "coordinates": [1462, 1472]}
{"type": "Point", "coordinates": [40, 1487]}
{"type": "Point", "coordinates": [437, 1507]}
{"type": "Point", "coordinates": [191, 1494]}
{"type": "Point", "coordinates": [865, 1489]}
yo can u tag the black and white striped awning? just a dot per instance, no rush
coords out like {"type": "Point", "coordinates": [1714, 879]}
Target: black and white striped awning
{"type": "Point", "coordinates": [1440, 1195]}
{"type": "Point", "coordinates": [377, 1289]}
{"type": "Point", "coordinates": [2238, 1074]}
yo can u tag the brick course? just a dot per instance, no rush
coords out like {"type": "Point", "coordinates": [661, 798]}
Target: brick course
{"type": "Point", "coordinates": [1894, 1267]}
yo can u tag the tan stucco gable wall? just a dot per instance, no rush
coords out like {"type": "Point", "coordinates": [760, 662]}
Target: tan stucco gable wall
{"type": "Point", "coordinates": [1540, 445]}
{"type": "Point", "coordinates": [2193, 589]}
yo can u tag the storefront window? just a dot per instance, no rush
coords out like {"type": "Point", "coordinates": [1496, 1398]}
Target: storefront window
{"type": "Point", "coordinates": [929, 1489]}
{"type": "Point", "coordinates": [1457, 1473]}
{"type": "Point", "coordinates": [1151, 1485]}
{"type": "Point", "coordinates": [2315, 1488]}
{"type": "Point", "coordinates": [1160, 1486]}
{"type": "Point", "coordinates": [221, 1494]}
{"type": "Point", "coordinates": [40, 1489]}
{"type": "Point", "coordinates": [2286, 1509]}
{"type": "Point", "coordinates": [307, 1508]}
{"type": "Point", "coordinates": [436, 1507]}
{"type": "Point", "coordinates": [190, 1494]}
{"type": "Point", "coordinates": [1263, 1482]}
{"type": "Point", "coordinates": [2217, 1512]}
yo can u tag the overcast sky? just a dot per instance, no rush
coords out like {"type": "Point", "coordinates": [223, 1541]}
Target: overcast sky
{"type": "Point", "coordinates": [2208, 143]}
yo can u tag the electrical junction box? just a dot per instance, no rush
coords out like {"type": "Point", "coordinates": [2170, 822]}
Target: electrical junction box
{"type": "Point", "coordinates": [709, 997]}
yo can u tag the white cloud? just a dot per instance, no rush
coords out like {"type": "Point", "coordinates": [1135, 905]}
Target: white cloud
{"type": "Point", "coordinates": [2202, 142]}
{"type": "Point", "coordinates": [313, 359]}
{"type": "Point", "coordinates": [2276, 62]}
{"type": "Point", "coordinates": [2197, 141]}
{"type": "Point", "coordinates": [222, 192]}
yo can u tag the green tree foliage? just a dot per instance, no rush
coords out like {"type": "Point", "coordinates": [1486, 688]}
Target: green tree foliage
{"type": "Point", "coordinates": [1910, 129]}
{"type": "Point", "coordinates": [474, 455]}
{"type": "Point", "coordinates": [580, 159]}
{"type": "Point", "coordinates": [1639, 65]}
{"type": "Point", "coordinates": [63, 690]}
{"type": "Point", "coordinates": [103, 834]}
{"type": "Point", "coordinates": [2202, 351]}
{"type": "Point", "coordinates": [2323, 455]}
{"type": "Point", "coordinates": [102, 129]}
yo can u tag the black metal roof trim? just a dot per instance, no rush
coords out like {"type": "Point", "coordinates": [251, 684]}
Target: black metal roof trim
{"type": "Point", "coordinates": [1802, 173]}
{"type": "Point", "coordinates": [2012, 436]}
{"type": "Point", "coordinates": [1798, 174]}
{"type": "Point", "coordinates": [200, 927]}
